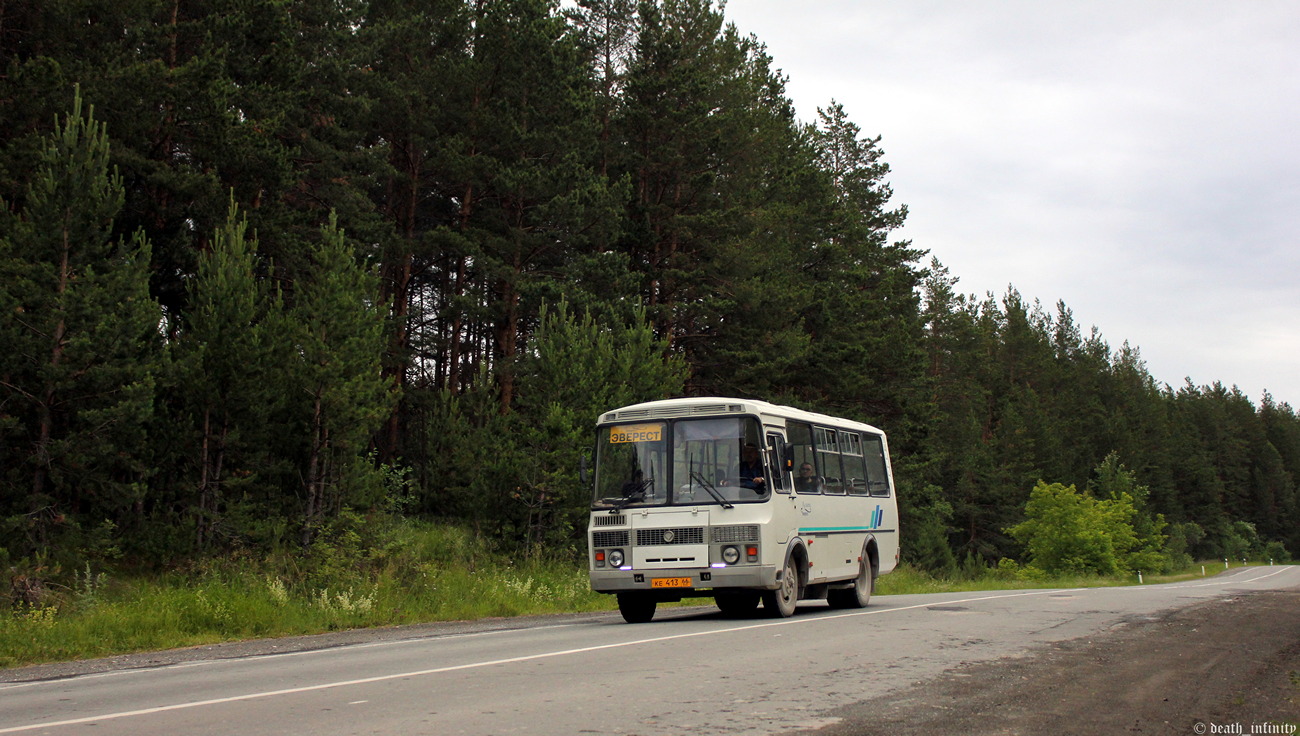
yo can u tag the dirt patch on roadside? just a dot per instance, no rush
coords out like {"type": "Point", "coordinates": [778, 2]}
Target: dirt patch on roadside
{"type": "Point", "coordinates": [1230, 666]}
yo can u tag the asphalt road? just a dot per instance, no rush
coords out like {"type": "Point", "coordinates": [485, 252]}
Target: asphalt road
{"type": "Point", "coordinates": [690, 671]}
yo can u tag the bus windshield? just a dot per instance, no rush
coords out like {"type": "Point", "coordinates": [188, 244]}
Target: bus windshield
{"type": "Point", "coordinates": [684, 462]}
{"type": "Point", "coordinates": [632, 465]}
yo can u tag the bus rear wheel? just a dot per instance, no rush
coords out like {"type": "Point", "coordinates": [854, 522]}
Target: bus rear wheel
{"type": "Point", "coordinates": [637, 608]}
{"type": "Point", "coordinates": [859, 595]}
{"type": "Point", "coordinates": [780, 603]}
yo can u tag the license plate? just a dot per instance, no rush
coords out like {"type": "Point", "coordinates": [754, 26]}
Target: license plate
{"type": "Point", "coordinates": [670, 582]}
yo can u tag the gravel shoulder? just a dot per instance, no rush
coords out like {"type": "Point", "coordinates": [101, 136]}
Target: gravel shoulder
{"type": "Point", "coordinates": [1226, 666]}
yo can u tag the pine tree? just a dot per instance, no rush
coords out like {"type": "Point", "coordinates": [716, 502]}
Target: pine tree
{"type": "Point", "coordinates": [722, 186]}
{"type": "Point", "coordinates": [81, 344]}
{"type": "Point", "coordinates": [338, 337]}
{"type": "Point", "coordinates": [415, 54]}
{"type": "Point", "coordinates": [224, 365]}
{"type": "Point", "coordinates": [864, 316]}
{"type": "Point", "coordinates": [1282, 428]}
{"type": "Point", "coordinates": [607, 29]}
{"type": "Point", "coordinates": [530, 186]}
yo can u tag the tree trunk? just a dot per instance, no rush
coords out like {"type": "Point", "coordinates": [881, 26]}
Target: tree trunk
{"type": "Point", "coordinates": [205, 488]}
{"type": "Point", "coordinates": [45, 410]}
{"type": "Point", "coordinates": [313, 485]}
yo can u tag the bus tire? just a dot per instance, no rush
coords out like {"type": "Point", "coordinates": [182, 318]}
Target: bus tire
{"type": "Point", "coordinates": [860, 594]}
{"type": "Point", "coordinates": [637, 608]}
{"type": "Point", "coordinates": [780, 603]}
{"type": "Point", "coordinates": [737, 603]}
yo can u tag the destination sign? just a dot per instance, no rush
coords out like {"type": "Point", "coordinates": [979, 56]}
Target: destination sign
{"type": "Point", "coordinates": [636, 433]}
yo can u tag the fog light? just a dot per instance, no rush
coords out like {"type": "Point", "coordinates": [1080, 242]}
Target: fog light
{"type": "Point", "coordinates": [730, 555]}
{"type": "Point", "coordinates": [616, 557]}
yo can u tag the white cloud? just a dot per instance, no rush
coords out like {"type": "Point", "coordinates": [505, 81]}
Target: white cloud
{"type": "Point", "coordinates": [1135, 159]}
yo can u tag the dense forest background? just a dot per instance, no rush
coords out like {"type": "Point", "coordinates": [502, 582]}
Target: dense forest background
{"type": "Point", "coordinates": [271, 267]}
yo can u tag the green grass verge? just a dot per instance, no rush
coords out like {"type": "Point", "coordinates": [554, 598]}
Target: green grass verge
{"type": "Point", "coordinates": [420, 572]}
{"type": "Point", "coordinates": [144, 615]}
{"type": "Point", "coordinates": [906, 580]}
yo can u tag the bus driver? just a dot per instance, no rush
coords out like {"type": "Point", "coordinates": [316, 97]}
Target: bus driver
{"type": "Point", "coordinates": [751, 469]}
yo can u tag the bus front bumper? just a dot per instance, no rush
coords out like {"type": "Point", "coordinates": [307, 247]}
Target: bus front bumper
{"type": "Point", "coordinates": [671, 582]}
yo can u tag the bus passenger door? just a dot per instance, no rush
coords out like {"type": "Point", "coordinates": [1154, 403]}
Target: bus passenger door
{"type": "Point", "coordinates": [777, 464]}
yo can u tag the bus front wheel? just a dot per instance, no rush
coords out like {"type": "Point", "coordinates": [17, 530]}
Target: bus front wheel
{"type": "Point", "coordinates": [637, 608]}
{"type": "Point", "coordinates": [780, 603]}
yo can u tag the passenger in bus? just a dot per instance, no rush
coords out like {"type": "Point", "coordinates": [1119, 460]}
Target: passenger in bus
{"type": "Point", "coordinates": [806, 482]}
{"type": "Point", "coordinates": [751, 469]}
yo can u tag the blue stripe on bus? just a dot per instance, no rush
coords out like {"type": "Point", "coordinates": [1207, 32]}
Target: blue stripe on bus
{"type": "Point", "coordinates": [877, 518]}
{"type": "Point", "coordinates": [839, 530]}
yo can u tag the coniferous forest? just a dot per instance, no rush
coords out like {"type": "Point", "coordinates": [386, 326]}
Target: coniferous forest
{"type": "Point", "coordinates": [270, 267]}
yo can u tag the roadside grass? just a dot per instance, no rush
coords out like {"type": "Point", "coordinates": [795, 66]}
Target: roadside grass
{"type": "Point", "coordinates": [907, 580]}
{"type": "Point", "coordinates": [421, 572]}
{"type": "Point", "coordinates": [408, 572]}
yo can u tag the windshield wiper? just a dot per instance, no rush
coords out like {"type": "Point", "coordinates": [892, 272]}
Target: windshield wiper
{"type": "Point", "coordinates": [634, 494]}
{"type": "Point", "coordinates": [696, 476]}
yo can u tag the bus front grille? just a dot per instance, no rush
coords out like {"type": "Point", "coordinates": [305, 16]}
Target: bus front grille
{"type": "Point", "coordinates": [743, 533]}
{"type": "Point", "coordinates": [679, 535]}
{"type": "Point", "coordinates": [609, 538]}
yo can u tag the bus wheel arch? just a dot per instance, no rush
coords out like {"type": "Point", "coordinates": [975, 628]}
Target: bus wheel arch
{"type": "Point", "coordinates": [799, 553]}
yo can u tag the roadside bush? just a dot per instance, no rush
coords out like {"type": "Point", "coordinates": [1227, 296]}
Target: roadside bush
{"type": "Point", "coordinates": [1070, 532]}
{"type": "Point", "coordinates": [1276, 551]}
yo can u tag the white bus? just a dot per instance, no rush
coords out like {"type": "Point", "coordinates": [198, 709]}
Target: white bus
{"type": "Point", "coordinates": [740, 500]}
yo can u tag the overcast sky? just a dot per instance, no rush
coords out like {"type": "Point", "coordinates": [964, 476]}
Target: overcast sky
{"type": "Point", "coordinates": [1136, 159]}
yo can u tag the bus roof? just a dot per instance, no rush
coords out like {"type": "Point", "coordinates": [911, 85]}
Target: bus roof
{"type": "Point", "coordinates": [707, 405]}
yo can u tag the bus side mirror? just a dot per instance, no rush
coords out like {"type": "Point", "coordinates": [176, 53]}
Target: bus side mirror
{"type": "Point", "coordinates": [582, 470]}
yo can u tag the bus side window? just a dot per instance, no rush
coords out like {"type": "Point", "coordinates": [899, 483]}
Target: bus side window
{"type": "Point", "coordinates": [828, 460]}
{"type": "Point", "coordinates": [877, 477]}
{"type": "Point", "coordinates": [855, 469]}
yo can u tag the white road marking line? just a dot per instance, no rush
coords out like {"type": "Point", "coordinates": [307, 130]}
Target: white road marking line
{"type": "Point", "coordinates": [273, 656]}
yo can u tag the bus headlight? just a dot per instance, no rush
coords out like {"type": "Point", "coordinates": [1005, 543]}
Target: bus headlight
{"type": "Point", "coordinates": [616, 558]}
{"type": "Point", "coordinates": [730, 555]}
